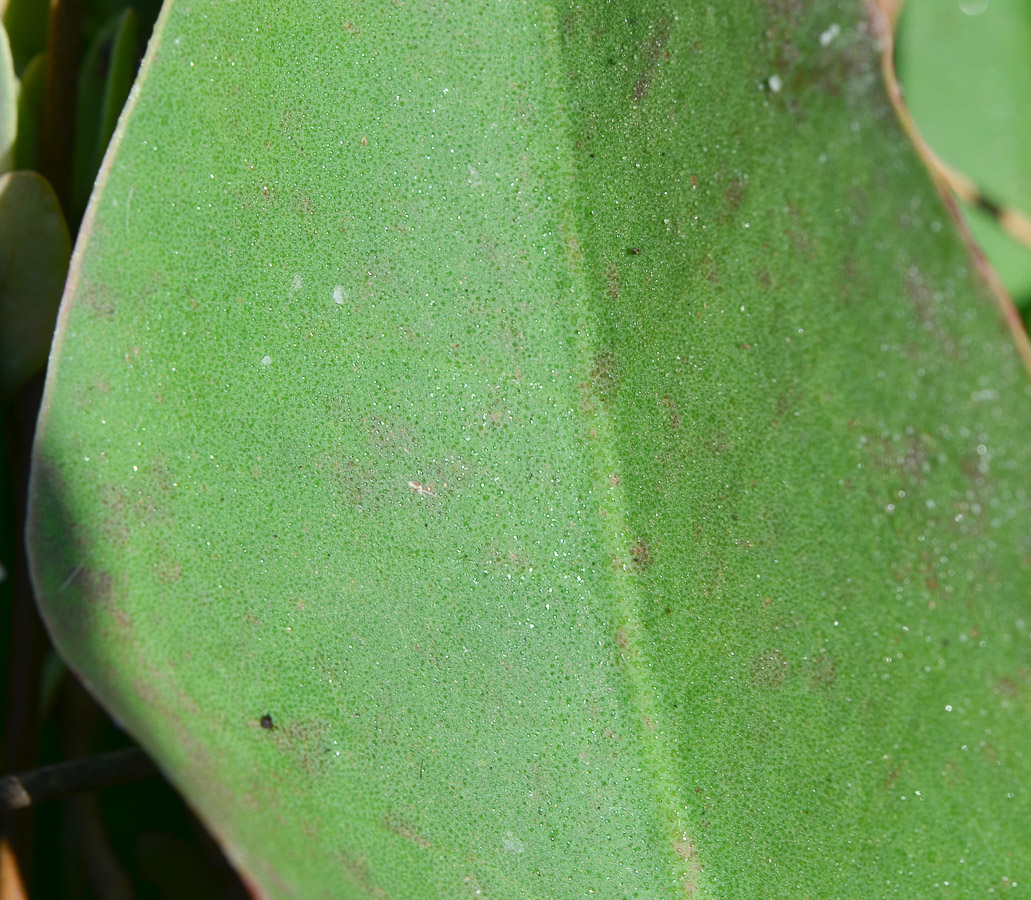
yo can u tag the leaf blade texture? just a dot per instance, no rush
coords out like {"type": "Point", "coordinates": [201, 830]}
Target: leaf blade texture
{"type": "Point", "coordinates": [523, 450]}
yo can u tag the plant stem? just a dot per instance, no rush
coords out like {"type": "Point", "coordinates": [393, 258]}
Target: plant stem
{"type": "Point", "coordinates": [60, 97]}
{"type": "Point", "coordinates": [26, 789]}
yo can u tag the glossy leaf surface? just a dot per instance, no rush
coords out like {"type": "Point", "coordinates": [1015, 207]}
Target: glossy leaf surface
{"type": "Point", "coordinates": [512, 450]}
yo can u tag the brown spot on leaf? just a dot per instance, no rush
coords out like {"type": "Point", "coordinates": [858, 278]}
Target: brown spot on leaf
{"type": "Point", "coordinates": [674, 417]}
{"type": "Point", "coordinates": [710, 270]}
{"type": "Point", "coordinates": [654, 53]}
{"type": "Point", "coordinates": [622, 638]}
{"type": "Point", "coordinates": [823, 672]}
{"type": "Point", "coordinates": [603, 374]}
{"type": "Point", "coordinates": [640, 556]}
{"type": "Point", "coordinates": [612, 281]}
{"type": "Point", "coordinates": [893, 776]}
{"type": "Point", "coordinates": [1007, 687]}
{"type": "Point", "coordinates": [403, 828]}
{"type": "Point", "coordinates": [769, 670]}
{"type": "Point", "coordinates": [97, 298]}
{"type": "Point", "coordinates": [168, 571]}
{"type": "Point", "coordinates": [687, 852]}
{"type": "Point", "coordinates": [356, 871]}
{"type": "Point", "coordinates": [926, 303]}
{"type": "Point", "coordinates": [718, 444]}
{"type": "Point", "coordinates": [735, 192]}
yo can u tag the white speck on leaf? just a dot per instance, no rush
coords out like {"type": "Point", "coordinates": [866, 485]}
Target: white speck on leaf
{"type": "Point", "coordinates": [512, 844]}
{"type": "Point", "coordinates": [828, 36]}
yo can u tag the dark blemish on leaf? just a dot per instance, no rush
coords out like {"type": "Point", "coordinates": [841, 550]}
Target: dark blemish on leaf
{"type": "Point", "coordinates": [640, 555]}
{"type": "Point", "coordinates": [401, 827]}
{"type": "Point", "coordinates": [718, 444]}
{"type": "Point", "coordinates": [735, 193]}
{"type": "Point", "coordinates": [674, 416]}
{"type": "Point", "coordinates": [98, 299]}
{"type": "Point", "coordinates": [612, 281]}
{"type": "Point", "coordinates": [709, 270]}
{"type": "Point", "coordinates": [603, 374]}
{"type": "Point", "coordinates": [356, 871]}
{"type": "Point", "coordinates": [785, 10]}
{"type": "Point", "coordinates": [769, 670]}
{"type": "Point", "coordinates": [824, 672]}
{"type": "Point", "coordinates": [654, 52]}
{"type": "Point", "coordinates": [1007, 687]}
{"type": "Point", "coordinates": [893, 776]}
{"type": "Point", "coordinates": [266, 722]}
{"type": "Point", "coordinates": [685, 849]}
{"type": "Point", "coordinates": [168, 571]}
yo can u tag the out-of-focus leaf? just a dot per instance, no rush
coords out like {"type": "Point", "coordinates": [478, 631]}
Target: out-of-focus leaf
{"type": "Point", "coordinates": [10, 539]}
{"type": "Point", "coordinates": [34, 251]}
{"type": "Point", "coordinates": [105, 78]}
{"type": "Point", "coordinates": [966, 70]}
{"type": "Point", "coordinates": [26, 22]}
{"type": "Point", "coordinates": [100, 12]}
{"type": "Point", "coordinates": [515, 451]}
{"type": "Point", "coordinates": [120, 75]}
{"type": "Point", "coordinates": [30, 113]}
{"type": "Point", "coordinates": [8, 103]}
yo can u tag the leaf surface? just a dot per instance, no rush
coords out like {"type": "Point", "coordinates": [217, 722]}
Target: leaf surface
{"type": "Point", "coordinates": [965, 67]}
{"type": "Point", "coordinates": [513, 450]}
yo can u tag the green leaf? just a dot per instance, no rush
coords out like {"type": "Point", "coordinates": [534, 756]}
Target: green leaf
{"type": "Point", "coordinates": [965, 67]}
{"type": "Point", "coordinates": [105, 79]}
{"type": "Point", "coordinates": [121, 72]}
{"type": "Point", "coordinates": [8, 103]}
{"type": "Point", "coordinates": [26, 23]}
{"type": "Point", "coordinates": [505, 450]}
{"type": "Point", "coordinates": [30, 113]}
{"type": "Point", "coordinates": [34, 251]}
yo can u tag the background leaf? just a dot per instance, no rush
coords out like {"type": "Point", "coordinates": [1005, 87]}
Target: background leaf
{"type": "Point", "coordinates": [8, 103]}
{"type": "Point", "coordinates": [538, 451]}
{"type": "Point", "coordinates": [108, 69]}
{"type": "Point", "coordinates": [34, 251]}
{"type": "Point", "coordinates": [965, 67]}
{"type": "Point", "coordinates": [30, 113]}
{"type": "Point", "coordinates": [26, 24]}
